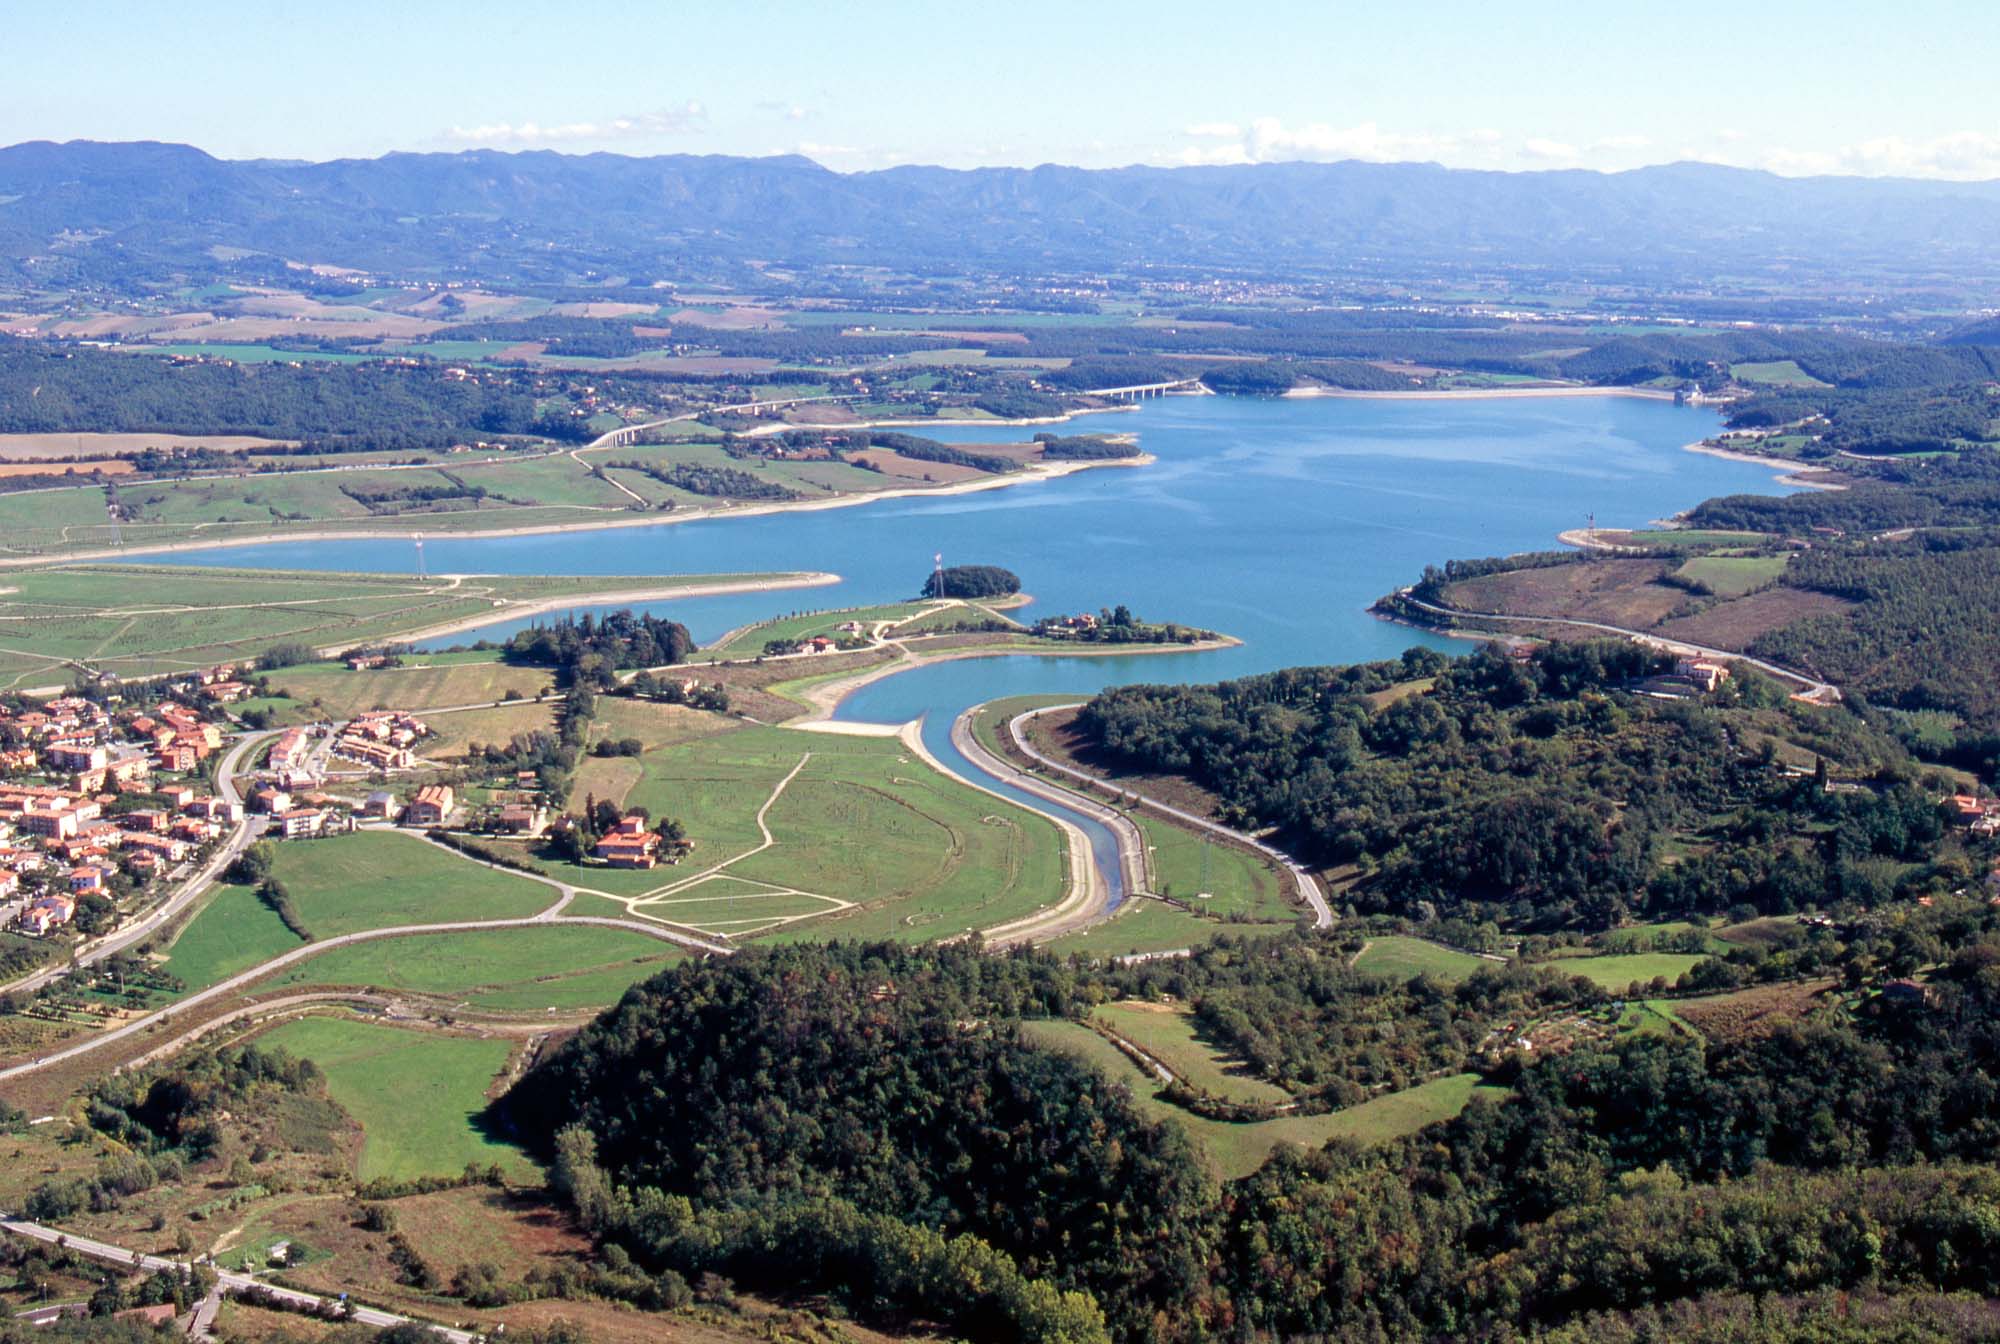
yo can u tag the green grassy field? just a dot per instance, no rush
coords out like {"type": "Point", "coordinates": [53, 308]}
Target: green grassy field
{"type": "Point", "coordinates": [1399, 958]}
{"type": "Point", "coordinates": [1168, 1036]}
{"type": "Point", "coordinates": [866, 822]}
{"type": "Point", "coordinates": [346, 884]}
{"type": "Point", "coordinates": [501, 970]}
{"type": "Point", "coordinates": [1653, 1017]}
{"type": "Point", "coordinates": [1733, 575]}
{"type": "Point", "coordinates": [1618, 970]}
{"type": "Point", "coordinates": [1236, 881]}
{"type": "Point", "coordinates": [1681, 538]}
{"type": "Point", "coordinates": [750, 640]}
{"type": "Point", "coordinates": [253, 354]}
{"type": "Point", "coordinates": [543, 487]}
{"type": "Point", "coordinates": [421, 685]}
{"type": "Point", "coordinates": [416, 1095]}
{"type": "Point", "coordinates": [1777, 373]}
{"type": "Point", "coordinates": [1236, 1150]}
{"type": "Point", "coordinates": [1240, 883]}
{"type": "Point", "coordinates": [233, 933]}
{"type": "Point", "coordinates": [383, 879]}
{"type": "Point", "coordinates": [155, 618]}
{"type": "Point", "coordinates": [1150, 926]}
{"type": "Point", "coordinates": [809, 480]}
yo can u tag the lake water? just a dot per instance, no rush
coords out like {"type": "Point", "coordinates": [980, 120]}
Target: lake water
{"type": "Point", "coordinates": [1276, 521]}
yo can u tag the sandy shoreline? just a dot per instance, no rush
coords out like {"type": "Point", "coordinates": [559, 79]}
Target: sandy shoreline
{"type": "Point", "coordinates": [514, 611]}
{"type": "Point", "coordinates": [1033, 472]}
{"type": "Point", "coordinates": [1478, 393]}
{"type": "Point", "coordinates": [764, 430]}
{"type": "Point", "coordinates": [1785, 473]}
{"type": "Point", "coordinates": [827, 697]}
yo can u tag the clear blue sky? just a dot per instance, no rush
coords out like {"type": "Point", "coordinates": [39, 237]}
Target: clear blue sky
{"type": "Point", "coordinates": [1833, 86]}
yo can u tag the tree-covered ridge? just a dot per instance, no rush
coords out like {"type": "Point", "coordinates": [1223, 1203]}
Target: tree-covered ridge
{"type": "Point", "coordinates": [1533, 791]}
{"type": "Point", "coordinates": [47, 389]}
{"type": "Point", "coordinates": [971, 581]}
{"type": "Point", "coordinates": [859, 1116]}
{"type": "Point", "coordinates": [587, 650]}
{"type": "Point", "coordinates": [890, 1083]}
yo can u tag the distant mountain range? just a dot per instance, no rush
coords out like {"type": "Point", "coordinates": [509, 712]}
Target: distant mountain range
{"type": "Point", "coordinates": [135, 211]}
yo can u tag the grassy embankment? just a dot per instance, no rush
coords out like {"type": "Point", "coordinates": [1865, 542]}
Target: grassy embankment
{"type": "Point", "coordinates": [416, 1095]}
{"type": "Point", "coordinates": [1237, 1149]}
{"type": "Point", "coordinates": [346, 884]}
{"type": "Point", "coordinates": [1245, 897]}
{"type": "Point", "coordinates": [867, 840]}
{"type": "Point", "coordinates": [545, 487]}
{"type": "Point", "coordinates": [137, 620]}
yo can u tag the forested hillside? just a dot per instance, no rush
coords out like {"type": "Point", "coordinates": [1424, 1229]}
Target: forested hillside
{"type": "Point", "coordinates": [1532, 791]}
{"type": "Point", "coordinates": [46, 389]}
{"type": "Point", "coordinates": [867, 1119]}
{"type": "Point", "coordinates": [145, 207]}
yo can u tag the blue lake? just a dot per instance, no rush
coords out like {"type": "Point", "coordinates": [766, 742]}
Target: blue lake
{"type": "Point", "coordinates": [1276, 521]}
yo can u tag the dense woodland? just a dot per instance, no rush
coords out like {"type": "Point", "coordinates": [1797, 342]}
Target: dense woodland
{"type": "Point", "coordinates": [866, 1120]}
{"type": "Point", "coordinates": [45, 389]}
{"type": "Point", "coordinates": [971, 581]}
{"type": "Point", "coordinates": [587, 650]}
{"type": "Point", "coordinates": [1533, 791]}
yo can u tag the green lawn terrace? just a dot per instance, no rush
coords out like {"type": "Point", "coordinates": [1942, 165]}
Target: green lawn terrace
{"type": "Point", "coordinates": [1234, 1149]}
{"type": "Point", "coordinates": [861, 626]}
{"type": "Point", "coordinates": [416, 1094]}
{"type": "Point", "coordinates": [802, 835]}
{"type": "Point", "coordinates": [138, 621]}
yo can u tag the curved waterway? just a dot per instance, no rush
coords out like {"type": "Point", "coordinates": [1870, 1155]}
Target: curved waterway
{"type": "Point", "coordinates": [1277, 521]}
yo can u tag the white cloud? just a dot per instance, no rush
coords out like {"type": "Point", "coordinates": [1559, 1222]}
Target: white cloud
{"type": "Point", "coordinates": [812, 149]}
{"type": "Point", "coordinates": [1615, 144]}
{"type": "Point", "coordinates": [1214, 130]}
{"type": "Point", "coordinates": [1207, 155]}
{"type": "Point", "coordinates": [1270, 139]}
{"type": "Point", "coordinates": [1535, 147]}
{"type": "Point", "coordinates": [687, 117]}
{"type": "Point", "coordinates": [1964, 156]}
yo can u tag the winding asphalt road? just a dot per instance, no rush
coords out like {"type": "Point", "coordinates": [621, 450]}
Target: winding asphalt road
{"type": "Point", "coordinates": [1308, 885]}
{"type": "Point", "coordinates": [552, 915]}
{"type": "Point", "coordinates": [230, 1280]}
{"type": "Point", "coordinates": [1817, 691]}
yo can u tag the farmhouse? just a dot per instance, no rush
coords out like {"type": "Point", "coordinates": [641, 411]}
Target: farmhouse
{"type": "Point", "coordinates": [432, 805]}
{"type": "Point", "coordinates": [630, 845]}
{"type": "Point", "coordinates": [519, 819]}
{"type": "Point", "coordinates": [1705, 674]}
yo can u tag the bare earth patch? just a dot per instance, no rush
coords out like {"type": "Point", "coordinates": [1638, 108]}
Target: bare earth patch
{"type": "Point", "coordinates": [1752, 1013]}
{"type": "Point", "coordinates": [1735, 625]}
{"type": "Point", "coordinates": [43, 447]}
{"type": "Point", "coordinates": [1616, 592]}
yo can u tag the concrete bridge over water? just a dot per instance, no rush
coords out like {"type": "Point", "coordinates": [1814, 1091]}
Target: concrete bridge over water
{"type": "Point", "coordinates": [1140, 391]}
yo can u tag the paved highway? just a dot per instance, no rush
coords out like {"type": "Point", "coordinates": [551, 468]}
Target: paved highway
{"type": "Point", "coordinates": [1817, 691]}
